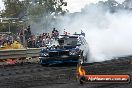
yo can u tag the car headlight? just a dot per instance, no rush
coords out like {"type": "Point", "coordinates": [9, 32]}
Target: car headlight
{"type": "Point", "coordinates": [44, 54]}
{"type": "Point", "coordinates": [73, 52]}
{"type": "Point", "coordinates": [43, 50]}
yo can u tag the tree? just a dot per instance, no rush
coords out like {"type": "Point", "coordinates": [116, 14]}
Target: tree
{"type": "Point", "coordinates": [32, 10]}
{"type": "Point", "coordinates": [46, 8]}
{"type": "Point", "coordinates": [127, 4]}
{"type": "Point", "coordinates": [43, 13]}
{"type": "Point", "coordinates": [13, 9]}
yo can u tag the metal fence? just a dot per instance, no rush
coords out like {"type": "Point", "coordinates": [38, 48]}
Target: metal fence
{"type": "Point", "coordinates": [19, 53]}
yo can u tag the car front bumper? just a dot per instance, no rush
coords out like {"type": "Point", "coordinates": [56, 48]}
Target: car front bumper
{"type": "Point", "coordinates": [57, 60]}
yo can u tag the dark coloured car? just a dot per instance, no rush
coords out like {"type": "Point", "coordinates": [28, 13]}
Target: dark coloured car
{"type": "Point", "coordinates": [65, 49]}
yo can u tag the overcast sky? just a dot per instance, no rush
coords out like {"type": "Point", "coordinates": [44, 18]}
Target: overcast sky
{"type": "Point", "coordinates": [73, 5]}
{"type": "Point", "coordinates": [76, 5]}
{"type": "Point", "coordinates": [1, 5]}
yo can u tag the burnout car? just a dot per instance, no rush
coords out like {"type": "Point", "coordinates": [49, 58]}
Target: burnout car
{"type": "Point", "coordinates": [65, 49]}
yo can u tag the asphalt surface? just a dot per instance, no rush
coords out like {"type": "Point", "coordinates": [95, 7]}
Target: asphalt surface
{"type": "Point", "coordinates": [36, 76]}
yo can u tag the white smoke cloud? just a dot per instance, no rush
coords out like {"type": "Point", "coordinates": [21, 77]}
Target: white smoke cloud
{"type": "Point", "coordinates": [108, 34]}
{"type": "Point", "coordinates": [76, 5]}
{"type": "Point", "coordinates": [114, 41]}
{"type": "Point", "coordinates": [120, 1]}
{"type": "Point", "coordinates": [2, 5]}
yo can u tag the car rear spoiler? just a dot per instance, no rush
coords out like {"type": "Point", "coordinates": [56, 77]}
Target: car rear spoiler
{"type": "Point", "coordinates": [82, 33]}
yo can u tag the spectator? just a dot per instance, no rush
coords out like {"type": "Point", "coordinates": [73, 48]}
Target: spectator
{"type": "Point", "coordinates": [55, 33]}
{"type": "Point", "coordinates": [21, 35]}
{"type": "Point", "coordinates": [25, 37]}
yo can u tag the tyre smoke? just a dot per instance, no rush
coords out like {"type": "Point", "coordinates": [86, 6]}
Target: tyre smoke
{"type": "Point", "coordinates": [108, 34]}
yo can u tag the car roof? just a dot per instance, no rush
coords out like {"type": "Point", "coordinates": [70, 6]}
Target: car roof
{"type": "Point", "coordinates": [69, 36]}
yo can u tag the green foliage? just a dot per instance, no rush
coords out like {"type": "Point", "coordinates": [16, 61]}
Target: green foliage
{"type": "Point", "coordinates": [30, 11]}
{"type": "Point", "coordinates": [12, 8]}
{"type": "Point", "coordinates": [47, 7]}
{"type": "Point", "coordinates": [3, 27]}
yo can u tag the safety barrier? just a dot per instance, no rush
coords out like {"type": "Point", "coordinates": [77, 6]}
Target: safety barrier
{"type": "Point", "coordinates": [19, 53]}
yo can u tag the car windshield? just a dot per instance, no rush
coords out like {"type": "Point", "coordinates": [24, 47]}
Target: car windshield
{"type": "Point", "coordinates": [69, 41]}
{"type": "Point", "coordinates": [53, 42]}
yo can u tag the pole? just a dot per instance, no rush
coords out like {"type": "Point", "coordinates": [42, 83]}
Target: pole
{"type": "Point", "coordinates": [9, 28]}
{"type": "Point", "coordinates": [24, 41]}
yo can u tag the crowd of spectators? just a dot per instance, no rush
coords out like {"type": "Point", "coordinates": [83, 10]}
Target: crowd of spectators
{"type": "Point", "coordinates": [42, 40]}
{"type": "Point", "coordinates": [26, 39]}
{"type": "Point", "coordinates": [8, 41]}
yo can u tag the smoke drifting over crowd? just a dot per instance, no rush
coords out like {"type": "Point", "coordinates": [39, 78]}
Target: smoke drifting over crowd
{"type": "Point", "coordinates": [108, 32]}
